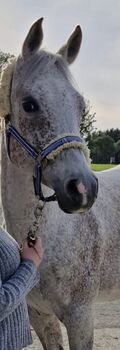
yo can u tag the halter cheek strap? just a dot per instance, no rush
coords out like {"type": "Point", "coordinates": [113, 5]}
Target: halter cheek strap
{"type": "Point", "coordinates": [49, 152]}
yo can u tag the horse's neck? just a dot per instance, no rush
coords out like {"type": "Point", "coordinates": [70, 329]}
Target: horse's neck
{"type": "Point", "coordinates": [19, 200]}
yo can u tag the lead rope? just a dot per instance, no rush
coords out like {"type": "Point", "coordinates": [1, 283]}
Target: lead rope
{"type": "Point", "coordinates": [32, 232]}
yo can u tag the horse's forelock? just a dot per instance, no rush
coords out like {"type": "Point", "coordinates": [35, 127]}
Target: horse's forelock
{"type": "Point", "coordinates": [21, 69]}
{"type": "Point", "coordinates": [42, 61]}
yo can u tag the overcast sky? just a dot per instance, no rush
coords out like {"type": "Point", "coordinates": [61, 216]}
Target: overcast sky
{"type": "Point", "coordinates": [97, 68]}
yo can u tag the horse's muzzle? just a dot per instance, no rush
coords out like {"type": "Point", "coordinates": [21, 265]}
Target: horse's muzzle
{"type": "Point", "coordinates": [77, 196]}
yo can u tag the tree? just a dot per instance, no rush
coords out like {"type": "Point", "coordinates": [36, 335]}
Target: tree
{"type": "Point", "coordinates": [117, 152]}
{"type": "Point", "coordinates": [103, 148]}
{"type": "Point", "coordinates": [4, 58]}
{"type": "Point", "coordinates": [114, 133]}
{"type": "Point", "coordinates": [87, 121]}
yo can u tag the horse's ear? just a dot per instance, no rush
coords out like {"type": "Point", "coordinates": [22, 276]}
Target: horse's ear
{"type": "Point", "coordinates": [70, 50]}
{"type": "Point", "coordinates": [33, 39]}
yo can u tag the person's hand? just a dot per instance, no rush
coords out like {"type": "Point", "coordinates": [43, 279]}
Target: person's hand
{"type": "Point", "coordinates": [34, 253]}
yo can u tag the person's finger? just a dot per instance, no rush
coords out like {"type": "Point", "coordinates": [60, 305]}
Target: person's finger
{"type": "Point", "coordinates": [25, 245]}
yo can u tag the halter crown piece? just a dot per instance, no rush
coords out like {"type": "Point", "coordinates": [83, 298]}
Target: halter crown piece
{"type": "Point", "coordinates": [50, 151]}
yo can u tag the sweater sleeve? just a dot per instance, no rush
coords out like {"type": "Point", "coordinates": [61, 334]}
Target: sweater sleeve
{"type": "Point", "coordinates": [13, 291]}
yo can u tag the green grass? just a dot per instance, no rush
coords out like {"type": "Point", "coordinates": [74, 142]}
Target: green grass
{"type": "Point", "coordinates": [100, 167]}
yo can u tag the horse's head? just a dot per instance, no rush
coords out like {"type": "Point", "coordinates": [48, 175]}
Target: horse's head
{"type": "Point", "coordinates": [45, 105]}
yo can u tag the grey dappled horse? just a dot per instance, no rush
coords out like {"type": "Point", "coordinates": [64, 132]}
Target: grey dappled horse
{"type": "Point", "coordinates": [81, 251]}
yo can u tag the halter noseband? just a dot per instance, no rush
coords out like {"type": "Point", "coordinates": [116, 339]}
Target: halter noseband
{"type": "Point", "coordinates": [67, 141]}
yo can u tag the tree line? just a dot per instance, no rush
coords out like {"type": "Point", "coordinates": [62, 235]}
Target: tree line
{"type": "Point", "coordinates": [104, 145]}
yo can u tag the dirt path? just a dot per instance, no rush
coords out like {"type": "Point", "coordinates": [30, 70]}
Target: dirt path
{"type": "Point", "coordinates": [107, 329]}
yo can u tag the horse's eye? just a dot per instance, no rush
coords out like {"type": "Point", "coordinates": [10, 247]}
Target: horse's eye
{"type": "Point", "coordinates": [30, 105]}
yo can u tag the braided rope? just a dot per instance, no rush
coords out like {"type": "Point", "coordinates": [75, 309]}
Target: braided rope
{"type": "Point", "coordinates": [73, 144]}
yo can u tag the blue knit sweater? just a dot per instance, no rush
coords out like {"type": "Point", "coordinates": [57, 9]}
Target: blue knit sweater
{"type": "Point", "coordinates": [16, 280]}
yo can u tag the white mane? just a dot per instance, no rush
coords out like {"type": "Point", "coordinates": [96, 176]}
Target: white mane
{"type": "Point", "coordinates": [5, 86]}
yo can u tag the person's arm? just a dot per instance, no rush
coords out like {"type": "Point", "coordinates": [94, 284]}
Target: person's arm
{"type": "Point", "coordinates": [13, 291]}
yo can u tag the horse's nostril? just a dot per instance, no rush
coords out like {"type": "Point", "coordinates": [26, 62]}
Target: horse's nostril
{"type": "Point", "coordinates": [81, 195]}
{"type": "Point", "coordinates": [72, 191]}
{"type": "Point", "coordinates": [78, 194]}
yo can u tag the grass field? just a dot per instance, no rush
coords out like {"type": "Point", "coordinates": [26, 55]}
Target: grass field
{"type": "Point", "coordinates": [100, 167]}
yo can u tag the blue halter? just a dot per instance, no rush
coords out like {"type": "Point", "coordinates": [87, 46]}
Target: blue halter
{"type": "Point", "coordinates": [11, 131]}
